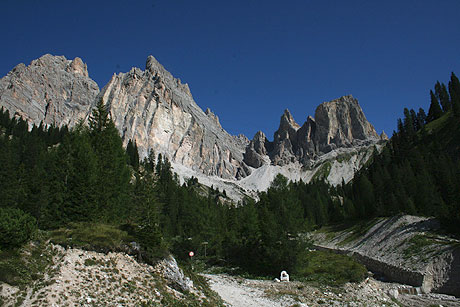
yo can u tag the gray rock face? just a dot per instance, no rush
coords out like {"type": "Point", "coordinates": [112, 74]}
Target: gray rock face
{"type": "Point", "coordinates": [158, 111]}
{"type": "Point", "coordinates": [383, 136]}
{"type": "Point", "coordinates": [256, 150]}
{"type": "Point", "coordinates": [51, 89]}
{"type": "Point", "coordinates": [338, 123]}
{"type": "Point", "coordinates": [175, 277]}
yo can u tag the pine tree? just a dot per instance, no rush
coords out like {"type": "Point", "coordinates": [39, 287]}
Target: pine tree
{"type": "Point", "coordinates": [133, 154]}
{"type": "Point", "coordinates": [408, 123]}
{"type": "Point", "coordinates": [435, 110]}
{"type": "Point", "coordinates": [454, 90]}
{"type": "Point", "coordinates": [421, 118]}
{"type": "Point", "coordinates": [443, 96]}
{"type": "Point", "coordinates": [113, 173]}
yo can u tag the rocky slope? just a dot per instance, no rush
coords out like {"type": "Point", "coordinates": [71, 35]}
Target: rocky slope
{"type": "Point", "coordinates": [75, 277]}
{"type": "Point", "coordinates": [51, 89]}
{"type": "Point", "coordinates": [405, 249]}
{"type": "Point", "coordinates": [158, 111]}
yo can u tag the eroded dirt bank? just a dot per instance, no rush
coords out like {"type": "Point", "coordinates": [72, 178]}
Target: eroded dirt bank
{"type": "Point", "coordinates": [404, 249]}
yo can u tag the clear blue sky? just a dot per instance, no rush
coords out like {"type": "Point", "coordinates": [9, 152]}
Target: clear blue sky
{"type": "Point", "coordinates": [249, 60]}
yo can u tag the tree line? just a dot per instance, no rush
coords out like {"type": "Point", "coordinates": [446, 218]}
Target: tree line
{"type": "Point", "coordinates": [51, 177]}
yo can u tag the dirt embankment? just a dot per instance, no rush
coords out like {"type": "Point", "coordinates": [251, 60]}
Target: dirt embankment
{"type": "Point", "coordinates": [85, 278]}
{"type": "Point", "coordinates": [404, 249]}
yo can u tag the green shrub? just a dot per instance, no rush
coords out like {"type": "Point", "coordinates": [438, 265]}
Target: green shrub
{"type": "Point", "coordinates": [329, 268]}
{"type": "Point", "coordinates": [91, 236]}
{"type": "Point", "coordinates": [16, 227]}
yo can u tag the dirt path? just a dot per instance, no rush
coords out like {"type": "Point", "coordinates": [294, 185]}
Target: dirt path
{"type": "Point", "coordinates": [239, 292]}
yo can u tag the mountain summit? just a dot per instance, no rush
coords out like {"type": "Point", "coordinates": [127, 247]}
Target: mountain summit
{"type": "Point", "coordinates": [158, 112]}
{"type": "Point", "coordinates": [51, 89]}
{"type": "Point", "coordinates": [339, 123]}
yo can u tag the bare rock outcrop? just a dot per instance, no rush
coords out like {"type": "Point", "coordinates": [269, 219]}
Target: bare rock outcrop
{"type": "Point", "coordinates": [256, 150]}
{"type": "Point", "coordinates": [158, 111]}
{"type": "Point", "coordinates": [341, 123]}
{"type": "Point", "coordinates": [337, 124]}
{"type": "Point", "coordinates": [51, 89]}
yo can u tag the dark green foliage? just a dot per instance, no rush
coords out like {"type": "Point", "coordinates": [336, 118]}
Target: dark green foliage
{"type": "Point", "coordinates": [435, 110]}
{"type": "Point", "coordinates": [16, 227]}
{"type": "Point", "coordinates": [421, 119]}
{"type": "Point", "coordinates": [454, 90]}
{"type": "Point", "coordinates": [329, 268]}
{"type": "Point", "coordinates": [26, 265]}
{"type": "Point", "coordinates": [113, 174]}
{"type": "Point", "coordinates": [443, 96]}
{"type": "Point", "coordinates": [416, 173]}
{"type": "Point", "coordinates": [133, 154]}
{"type": "Point", "coordinates": [91, 236]}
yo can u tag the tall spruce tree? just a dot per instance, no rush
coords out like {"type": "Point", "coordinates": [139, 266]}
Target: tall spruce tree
{"type": "Point", "coordinates": [113, 173]}
{"type": "Point", "coordinates": [435, 110]}
{"type": "Point", "coordinates": [454, 90]}
{"type": "Point", "coordinates": [441, 93]}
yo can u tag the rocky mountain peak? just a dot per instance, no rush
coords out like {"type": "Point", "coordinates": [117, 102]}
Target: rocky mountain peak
{"type": "Point", "coordinates": [340, 122]}
{"type": "Point", "coordinates": [384, 136]}
{"type": "Point", "coordinates": [152, 65]}
{"type": "Point", "coordinates": [158, 112]}
{"type": "Point", "coordinates": [78, 67]}
{"type": "Point", "coordinates": [213, 116]}
{"type": "Point", "coordinates": [51, 89]}
{"type": "Point", "coordinates": [257, 150]}
{"type": "Point", "coordinates": [163, 77]}
{"type": "Point", "coordinates": [337, 123]}
{"type": "Point", "coordinates": [287, 121]}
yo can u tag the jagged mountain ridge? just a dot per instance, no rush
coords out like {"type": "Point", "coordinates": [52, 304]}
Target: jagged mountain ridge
{"type": "Point", "coordinates": [158, 111]}
{"type": "Point", "coordinates": [337, 123]}
{"type": "Point", "coordinates": [51, 89]}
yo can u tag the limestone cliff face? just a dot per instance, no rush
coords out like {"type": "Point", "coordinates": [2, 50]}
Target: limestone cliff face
{"type": "Point", "coordinates": [51, 89]}
{"type": "Point", "coordinates": [337, 124]}
{"type": "Point", "coordinates": [341, 123]}
{"type": "Point", "coordinates": [158, 112]}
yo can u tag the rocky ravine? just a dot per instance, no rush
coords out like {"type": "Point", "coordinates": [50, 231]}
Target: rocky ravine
{"type": "Point", "coordinates": [158, 111]}
{"type": "Point", "coordinates": [405, 249]}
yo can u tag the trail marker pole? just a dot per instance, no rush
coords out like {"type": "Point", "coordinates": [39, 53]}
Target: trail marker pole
{"type": "Point", "coordinates": [191, 254]}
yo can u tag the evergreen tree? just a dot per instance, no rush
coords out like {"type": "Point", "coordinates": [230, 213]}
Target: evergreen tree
{"type": "Point", "coordinates": [454, 90]}
{"type": "Point", "coordinates": [443, 96]}
{"type": "Point", "coordinates": [133, 154]}
{"type": "Point", "coordinates": [113, 173]}
{"type": "Point", "coordinates": [435, 110]}
{"type": "Point", "coordinates": [421, 118]}
{"type": "Point", "coordinates": [408, 124]}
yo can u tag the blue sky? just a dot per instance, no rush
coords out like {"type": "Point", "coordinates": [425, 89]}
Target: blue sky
{"type": "Point", "coordinates": [249, 60]}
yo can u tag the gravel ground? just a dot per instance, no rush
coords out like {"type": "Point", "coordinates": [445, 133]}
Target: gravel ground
{"type": "Point", "coordinates": [240, 292]}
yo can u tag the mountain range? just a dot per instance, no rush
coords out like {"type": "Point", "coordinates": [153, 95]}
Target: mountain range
{"type": "Point", "coordinates": [158, 112]}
